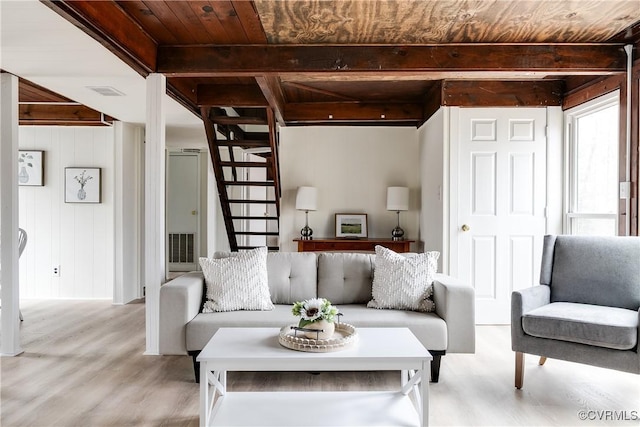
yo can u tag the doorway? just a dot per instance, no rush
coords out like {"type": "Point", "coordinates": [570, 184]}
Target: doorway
{"type": "Point", "coordinates": [183, 211]}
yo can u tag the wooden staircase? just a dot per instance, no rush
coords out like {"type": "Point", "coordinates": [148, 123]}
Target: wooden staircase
{"type": "Point", "coordinates": [241, 195]}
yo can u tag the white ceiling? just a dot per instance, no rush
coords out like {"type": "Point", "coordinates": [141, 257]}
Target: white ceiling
{"type": "Point", "coordinates": [39, 45]}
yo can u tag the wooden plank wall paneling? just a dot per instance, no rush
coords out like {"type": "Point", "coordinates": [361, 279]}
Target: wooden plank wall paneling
{"type": "Point", "coordinates": [77, 237]}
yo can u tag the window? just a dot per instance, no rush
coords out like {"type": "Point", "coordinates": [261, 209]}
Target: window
{"type": "Point", "coordinates": [592, 167]}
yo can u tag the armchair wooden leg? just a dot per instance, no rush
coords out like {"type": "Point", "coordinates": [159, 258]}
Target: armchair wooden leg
{"type": "Point", "coordinates": [519, 369]}
{"type": "Point", "coordinates": [542, 360]}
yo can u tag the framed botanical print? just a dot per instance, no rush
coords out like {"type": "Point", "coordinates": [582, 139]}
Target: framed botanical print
{"type": "Point", "coordinates": [82, 185]}
{"type": "Point", "coordinates": [31, 168]}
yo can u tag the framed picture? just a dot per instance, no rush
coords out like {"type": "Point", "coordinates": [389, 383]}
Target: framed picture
{"type": "Point", "coordinates": [82, 185]}
{"type": "Point", "coordinates": [351, 225]}
{"type": "Point", "coordinates": [31, 168]}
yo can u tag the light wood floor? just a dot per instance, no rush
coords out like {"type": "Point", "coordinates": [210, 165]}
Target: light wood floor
{"type": "Point", "coordinates": [83, 365]}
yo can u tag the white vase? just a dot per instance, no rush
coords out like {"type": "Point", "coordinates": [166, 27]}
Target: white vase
{"type": "Point", "coordinates": [23, 176]}
{"type": "Point", "coordinates": [327, 330]}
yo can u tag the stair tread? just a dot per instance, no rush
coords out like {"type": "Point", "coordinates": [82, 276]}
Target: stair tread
{"type": "Point", "coordinates": [246, 164]}
{"type": "Point", "coordinates": [251, 201]}
{"type": "Point", "coordinates": [254, 217]}
{"type": "Point", "coordinates": [250, 183]}
{"type": "Point", "coordinates": [243, 143]}
{"type": "Point", "coordinates": [257, 233]}
{"type": "Point", "coordinates": [232, 120]}
{"type": "Point", "coordinates": [271, 248]}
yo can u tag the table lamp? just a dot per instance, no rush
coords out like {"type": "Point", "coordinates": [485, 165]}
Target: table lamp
{"type": "Point", "coordinates": [306, 200]}
{"type": "Point", "coordinates": [397, 200]}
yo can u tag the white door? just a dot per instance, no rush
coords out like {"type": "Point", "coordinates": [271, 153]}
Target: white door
{"type": "Point", "coordinates": [498, 189]}
{"type": "Point", "coordinates": [183, 204]}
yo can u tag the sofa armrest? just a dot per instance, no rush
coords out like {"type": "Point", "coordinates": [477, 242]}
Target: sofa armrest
{"type": "Point", "coordinates": [455, 303]}
{"type": "Point", "coordinates": [180, 301]}
{"type": "Point", "coordinates": [523, 301]}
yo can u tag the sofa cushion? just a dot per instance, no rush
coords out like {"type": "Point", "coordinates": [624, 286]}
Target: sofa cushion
{"type": "Point", "coordinates": [403, 283]}
{"type": "Point", "coordinates": [237, 283]}
{"type": "Point", "coordinates": [609, 327]}
{"type": "Point", "coordinates": [204, 325]}
{"type": "Point", "coordinates": [584, 266]}
{"type": "Point", "coordinates": [430, 329]}
{"type": "Point", "coordinates": [291, 275]}
{"type": "Point", "coordinates": [345, 278]}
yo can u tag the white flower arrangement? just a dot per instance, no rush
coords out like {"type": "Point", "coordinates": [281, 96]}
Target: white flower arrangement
{"type": "Point", "coordinates": [313, 310]}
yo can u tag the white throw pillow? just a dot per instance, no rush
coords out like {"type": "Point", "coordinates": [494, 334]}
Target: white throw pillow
{"type": "Point", "coordinates": [237, 283]}
{"type": "Point", "coordinates": [404, 283]}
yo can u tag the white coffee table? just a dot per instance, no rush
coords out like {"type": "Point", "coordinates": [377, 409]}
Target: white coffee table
{"type": "Point", "coordinates": [257, 349]}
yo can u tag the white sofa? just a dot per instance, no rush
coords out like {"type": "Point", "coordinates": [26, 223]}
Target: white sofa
{"type": "Point", "coordinates": [343, 278]}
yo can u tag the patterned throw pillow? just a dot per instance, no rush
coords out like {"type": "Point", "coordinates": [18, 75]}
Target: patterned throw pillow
{"type": "Point", "coordinates": [404, 283]}
{"type": "Point", "coordinates": [237, 283]}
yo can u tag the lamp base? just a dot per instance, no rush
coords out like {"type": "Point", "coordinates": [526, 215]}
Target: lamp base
{"type": "Point", "coordinates": [397, 233]}
{"type": "Point", "coordinates": [306, 232]}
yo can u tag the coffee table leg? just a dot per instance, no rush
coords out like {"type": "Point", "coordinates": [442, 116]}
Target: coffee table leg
{"type": "Point", "coordinates": [204, 394]}
{"type": "Point", "coordinates": [213, 387]}
{"type": "Point", "coordinates": [424, 391]}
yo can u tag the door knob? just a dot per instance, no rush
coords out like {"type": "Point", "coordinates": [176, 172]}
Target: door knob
{"type": "Point", "coordinates": [465, 227]}
{"type": "Point", "coordinates": [194, 212]}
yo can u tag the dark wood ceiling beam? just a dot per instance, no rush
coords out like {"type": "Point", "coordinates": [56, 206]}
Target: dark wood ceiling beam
{"type": "Point", "coordinates": [106, 22]}
{"type": "Point", "coordinates": [217, 95]}
{"type": "Point", "coordinates": [432, 101]}
{"type": "Point", "coordinates": [315, 112]}
{"type": "Point", "coordinates": [272, 91]}
{"type": "Point", "coordinates": [60, 114]}
{"type": "Point", "coordinates": [485, 93]}
{"type": "Point", "coordinates": [194, 61]}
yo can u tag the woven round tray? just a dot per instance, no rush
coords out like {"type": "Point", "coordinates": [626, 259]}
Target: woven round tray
{"type": "Point", "coordinates": [343, 337]}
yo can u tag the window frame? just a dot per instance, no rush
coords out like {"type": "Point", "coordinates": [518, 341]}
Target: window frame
{"type": "Point", "coordinates": [571, 116]}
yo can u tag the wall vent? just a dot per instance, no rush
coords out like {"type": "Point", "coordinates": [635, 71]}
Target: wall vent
{"type": "Point", "coordinates": [181, 248]}
{"type": "Point", "coordinates": [106, 90]}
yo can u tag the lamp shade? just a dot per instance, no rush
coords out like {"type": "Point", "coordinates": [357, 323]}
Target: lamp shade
{"type": "Point", "coordinates": [307, 198]}
{"type": "Point", "coordinates": [397, 199]}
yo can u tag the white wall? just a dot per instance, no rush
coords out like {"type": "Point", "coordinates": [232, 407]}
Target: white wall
{"type": "Point", "coordinates": [129, 212]}
{"type": "Point", "coordinates": [352, 168]}
{"type": "Point", "coordinates": [433, 159]}
{"type": "Point", "coordinates": [77, 237]}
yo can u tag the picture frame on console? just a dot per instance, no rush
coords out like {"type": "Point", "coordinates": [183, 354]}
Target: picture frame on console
{"type": "Point", "coordinates": [351, 226]}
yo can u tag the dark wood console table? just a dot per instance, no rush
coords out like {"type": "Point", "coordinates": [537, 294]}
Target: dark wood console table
{"type": "Point", "coordinates": [347, 245]}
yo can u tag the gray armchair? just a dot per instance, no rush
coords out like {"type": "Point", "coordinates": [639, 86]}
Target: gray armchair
{"type": "Point", "coordinates": [586, 308]}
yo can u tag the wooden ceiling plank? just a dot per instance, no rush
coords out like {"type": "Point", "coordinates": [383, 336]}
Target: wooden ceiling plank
{"type": "Point", "coordinates": [31, 92]}
{"type": "Point", "coordinates": [62, 113]}
{"type": "Point", "coordinates": [230, 96]}
{"type": "Point", "coordinates": [211, 60]}
{"type": "Point", "coordinates": [320, 91]}
{"type": "Point", "coordinates": [250, 21]}
{"type": "Point", "coordinates": [210, 21]}
{"type": "Point", "coordinates": [106, 22]}
{"type": "Point", "coordinates": [502, 93]}
{"type": "Point", "coordinates": [352, 111]}
{"type": "Point", "coordinates": [270, 86]}
{"type": "Point", "coordinates": [190, 18]}
{"type": "Point", "coordinates": [229, 19]}
{"type": "Point", "coordinates": [149, 21]}
{"type": "Point", "coordinates": [170, 19]}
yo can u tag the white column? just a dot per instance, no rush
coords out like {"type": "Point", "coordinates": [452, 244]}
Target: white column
{"type": "Point", "coordinates": [154, 188]}
{"type": "Point", "coordinates": [9, 272]}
